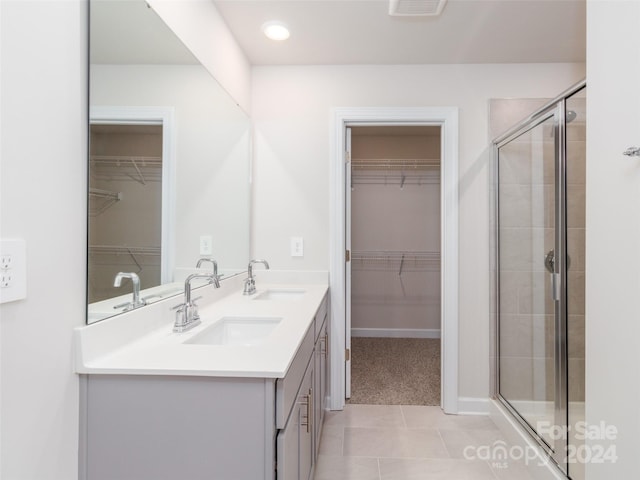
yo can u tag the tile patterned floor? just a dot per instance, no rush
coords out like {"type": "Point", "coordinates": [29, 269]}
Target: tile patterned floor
{"type": "Point", "coordinates": [381, 442]}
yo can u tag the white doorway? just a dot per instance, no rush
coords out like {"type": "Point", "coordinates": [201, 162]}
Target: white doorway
{"type": "Point", "coordinates": [163, 117]}
{"type": "Point", "coordinates": [393, 234]}
{"type": "Point", "coordinates": [447, 119]}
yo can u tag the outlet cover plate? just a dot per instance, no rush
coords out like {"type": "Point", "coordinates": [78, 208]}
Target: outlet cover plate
{"type": "Point", "coordinates": [297, 247]}
{"type": "Point", "coordinates": [206, 245]}
{"type": "Point", "coordinates": [13, 270]}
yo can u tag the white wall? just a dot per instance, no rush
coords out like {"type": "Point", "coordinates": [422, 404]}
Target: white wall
{"type": "Point", "coordinates": [613, 231]}
{"type": "Point", "coordinates": [43, 198]}
{"type": "Point", "coordinates": [291, 109]}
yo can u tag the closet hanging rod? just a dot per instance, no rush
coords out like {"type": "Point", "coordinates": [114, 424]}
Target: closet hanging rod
{"type": "Point", "coordinates": [396, 261]}
{"type": "Point", "coordinates": [122, 249]}
{"type": "Point", "coordinates": [96, 192]}
{"type": "Point", "coordinates": [395, 163]}
{"type": "Point", "coordinates": [393, 254]}
{"type": "Point", "coordinates": [145, 167]}
{"type": "Point", "coordinates": [395, 179]}
{"type": "Point", "coordinates": [118, 160]}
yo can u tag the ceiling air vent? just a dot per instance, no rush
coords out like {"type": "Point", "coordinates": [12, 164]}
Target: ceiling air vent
{"type": "Point", "coordinates": [415, 8]}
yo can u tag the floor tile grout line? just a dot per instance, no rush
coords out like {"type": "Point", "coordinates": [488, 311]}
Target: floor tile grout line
{"type": "Point", "coordinates": [444, 444]}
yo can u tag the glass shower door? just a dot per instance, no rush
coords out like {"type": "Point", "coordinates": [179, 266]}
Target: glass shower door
{"type": "Point", "coordinates": [529, 256]}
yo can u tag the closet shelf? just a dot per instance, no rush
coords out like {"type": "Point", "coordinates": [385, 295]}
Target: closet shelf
{"type": "Point", "coordinates": [117, 249]}
{"type": "Point", "coordinates": [102, 200]}
{"type": "Point", "coordinates": [150, 253]}
{"type": "Point", "coordinates": [396, 261]}
{"type": "Point", "coordinates": [395, 163]}
{"type": "Point", "coordinates": [122, 167]}
{"type": "Point", "coordinates": [397, 178]}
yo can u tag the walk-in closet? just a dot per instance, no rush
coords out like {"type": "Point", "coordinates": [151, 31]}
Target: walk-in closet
{"type": "Point", "coordinates": [395, 264]}
{"type": "Point", "coordinates": [125, 205]}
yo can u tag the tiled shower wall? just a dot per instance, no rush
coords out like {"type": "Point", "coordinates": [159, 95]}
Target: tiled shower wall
{"type": "Point", "coordinates": [576, 210]}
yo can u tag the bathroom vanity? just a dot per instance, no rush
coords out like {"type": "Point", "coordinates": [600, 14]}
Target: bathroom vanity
{"type": "Point", "coordinates": [239, 397]}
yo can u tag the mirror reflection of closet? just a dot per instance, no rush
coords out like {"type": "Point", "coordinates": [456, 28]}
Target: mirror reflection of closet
{"type": "Point", "coordinates": [125, 191]}
{"type": "Point", "coordinates": [141, 73]}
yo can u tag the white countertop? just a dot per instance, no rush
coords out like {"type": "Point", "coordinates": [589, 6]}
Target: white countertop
{"type": "Point", "coordinates": [142, 342]}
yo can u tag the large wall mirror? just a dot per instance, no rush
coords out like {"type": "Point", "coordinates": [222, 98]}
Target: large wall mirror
{"type": "Point", "coordinates": [168, 163]}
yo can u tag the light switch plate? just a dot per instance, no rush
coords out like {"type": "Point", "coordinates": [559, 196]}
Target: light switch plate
{"type": "Point", "coordinates": [206, 245]}
{"type": "Point", "coordinates": [297, 247]}
{"type": "Point", "coordinates": [13, 270]}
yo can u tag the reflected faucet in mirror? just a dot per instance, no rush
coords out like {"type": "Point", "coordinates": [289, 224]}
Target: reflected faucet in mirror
{"type": "Point", "coordinates": [136, 302]}
{"type": "Point", "coordinates": [215, 266]}
{"type": "Point", "coordinates": [187, 315]}
{"type": "Point", "coordinates": [250, 283]}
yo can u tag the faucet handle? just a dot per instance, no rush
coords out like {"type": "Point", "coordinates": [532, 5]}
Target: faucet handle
{"type": "Point", "coordinates": [249, 286]}
{"type": "Point", "coordinates": [181, 305]}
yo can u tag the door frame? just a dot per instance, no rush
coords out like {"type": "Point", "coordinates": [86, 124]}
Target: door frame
{"type": "Point", "coordinates": [447, 119]}
{"type": "Point", "coordinates": [117, 115]}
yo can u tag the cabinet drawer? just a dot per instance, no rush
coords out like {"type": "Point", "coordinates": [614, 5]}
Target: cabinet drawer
{"type": "Point", "coordinates": [321, 315]}
{"type": "Point", "coordinates": [287, 387]}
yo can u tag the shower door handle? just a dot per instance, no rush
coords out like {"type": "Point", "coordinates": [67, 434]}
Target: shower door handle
{"type": "Point", "coordinates": [550, 263]}
{"type": "Point", "coordinates": [555, 286]}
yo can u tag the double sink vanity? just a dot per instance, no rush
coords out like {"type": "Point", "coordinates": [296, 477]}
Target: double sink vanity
{"type": "Point", "coordinates": [239, 396]}
{"type": "Point", "coordinates": [211, 384]}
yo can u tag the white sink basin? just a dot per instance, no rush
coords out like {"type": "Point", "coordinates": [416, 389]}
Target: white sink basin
{"type": "Point", "coordinates": [236, 331]}
{"type": "Point", "coordinates": [280, 294]}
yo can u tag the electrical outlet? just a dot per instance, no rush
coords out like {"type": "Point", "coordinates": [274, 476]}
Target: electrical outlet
{"type": "Point", "coordinates": [13, 270]}
{"type": "Point", "coordinates": [5, 261]}
{"type": "Point", "coordinates": [297, 247]}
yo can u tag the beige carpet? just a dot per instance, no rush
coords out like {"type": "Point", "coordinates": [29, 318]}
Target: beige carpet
{"type": "Point", "coordinates": [395, 371]}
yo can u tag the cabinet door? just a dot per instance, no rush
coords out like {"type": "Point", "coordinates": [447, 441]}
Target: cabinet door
{"type": "Point", "coordinates": [287, 447]}
{"type": "Point", "coordinates": [320, 383]}
{"type": "Point", "coordinates": [295, 441]}
{"type": "Point", "coordinates": [306, 437]}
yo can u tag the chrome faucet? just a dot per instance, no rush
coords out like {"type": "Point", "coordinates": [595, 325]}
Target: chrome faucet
{"type": "Point", "coordinates": [187, 315]}
{"type": "Point", "coordinates": [136, 302]}
{"type": "Point", "coordinates": [215, 267]}
{"type": "Point", "coordinates": [250, 283]}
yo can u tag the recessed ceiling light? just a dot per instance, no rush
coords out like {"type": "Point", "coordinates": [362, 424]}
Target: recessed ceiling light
{"type": "Point", "coordinates": [276, 31]}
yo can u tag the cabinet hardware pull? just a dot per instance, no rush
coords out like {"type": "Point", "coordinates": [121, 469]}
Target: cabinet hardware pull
{"type": "Point", "coordinates": [310, 410]}
{"type": "Point", "coordinates": [325, 347]}
{"type": "Point", "coordinates": [307, 400]}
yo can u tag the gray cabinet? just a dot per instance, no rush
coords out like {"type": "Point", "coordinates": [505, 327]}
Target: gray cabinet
{"type": "Point", "coordinates": [321, 372]}
{"type": "Point", "coordinates": [295, 446]}
{"type": "Point", "coordinates": [166, 427]}
{"type": "Point", "coordinates": [299, 439]}
{"type": "Point", "coordinates": [295, 443]}
{"type": "Point", "coordinates": [137, 427]}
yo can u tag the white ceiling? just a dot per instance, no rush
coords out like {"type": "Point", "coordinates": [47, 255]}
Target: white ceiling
{"type": "Point", "coordinates": [129, 32]}
{"type": "Point", "coordinates": [362, 32]}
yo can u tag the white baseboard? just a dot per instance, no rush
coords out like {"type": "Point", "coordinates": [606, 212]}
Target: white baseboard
{"type": "Point", "coordinates": [396, 332]}
{"type": "Point", "coordinates": [473, 406]}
